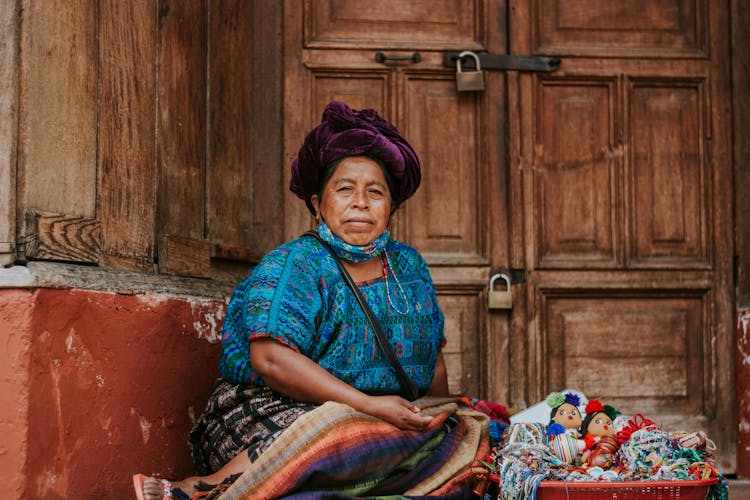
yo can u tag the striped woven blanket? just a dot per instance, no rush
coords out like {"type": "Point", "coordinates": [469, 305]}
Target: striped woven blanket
{"type": "Point", "coordinates": [336, 452]}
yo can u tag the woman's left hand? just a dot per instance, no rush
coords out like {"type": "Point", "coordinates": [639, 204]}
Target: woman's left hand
{"type": "Point", "coordinates": [397, 411]}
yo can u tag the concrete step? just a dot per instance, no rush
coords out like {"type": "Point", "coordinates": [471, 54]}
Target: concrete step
{"type": "Point", "coordinates": [739, 489]}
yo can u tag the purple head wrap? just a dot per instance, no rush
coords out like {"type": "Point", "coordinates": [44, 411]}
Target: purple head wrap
{"type": "Point", "coordinates": [347, 132]}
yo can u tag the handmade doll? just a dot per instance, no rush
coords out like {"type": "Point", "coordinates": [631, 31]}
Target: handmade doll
{"type": "Point", "coordinates": [565, 411]}
{"type": "Point", "coordinates": [562, 431]}
{"type": "Point", "coordinates": [598, 433]}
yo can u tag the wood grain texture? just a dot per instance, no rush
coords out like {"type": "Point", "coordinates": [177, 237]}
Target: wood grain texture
{"type": "Point", "coordinates": [57, 131]}
{"type": "Point", "coordinates": [268, 124]}
{"type": "Point", "coordinates": [181, 138]}
{"type": "Point", "coordinates": [181, 118]}
{"type": "Point", "coordinates": [230, 149]}
{"type": "Point", "coordinates": [741, 106]}
{"type": "Point", "coordinates": [9, 28]}
{"type": "Point", "coordinates": [627, 28]}
{"type": "Point", "coordinates": [439, 24]}
{"type": "Point", "coordinates": [127, 101]}
{"type": "Point", "coordinates": [66, 276]}
{"type": "Point", "coordinates": [183, 256]}
{"type": "Point", "coordinates": [621, 177]}
{"type": "Point", "coordinates": [55, 236]}
{"type": "Point", "coordinates": [447, 219]}
{"type": "Point", "coordinates": [245, 171]}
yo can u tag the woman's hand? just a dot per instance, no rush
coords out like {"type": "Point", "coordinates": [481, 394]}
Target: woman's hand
{"type": "Point", "coordinates": [300, 378]}
{"type": "Point", "coordinates": [397, 411]}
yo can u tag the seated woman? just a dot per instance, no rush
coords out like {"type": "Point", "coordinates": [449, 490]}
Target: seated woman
{"type": "Point", "coordinates": [295, 336]}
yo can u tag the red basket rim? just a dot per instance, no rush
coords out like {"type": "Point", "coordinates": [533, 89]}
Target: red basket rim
{"type": "Point", "coordinates": [571, 485]}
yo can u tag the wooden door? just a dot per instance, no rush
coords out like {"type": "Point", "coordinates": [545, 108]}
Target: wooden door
{"type": "Point", "coordinates": [457, 217]}
{"type": "Point", "coordinates": [622, 181]}
{"type": "Point", "coordinates": [611, 193]}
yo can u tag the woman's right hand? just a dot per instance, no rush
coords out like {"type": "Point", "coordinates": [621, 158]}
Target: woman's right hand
{"type": "Point", "coordinates": [397, 411]}
{"type": "Point", "coordinates": [300, 378]}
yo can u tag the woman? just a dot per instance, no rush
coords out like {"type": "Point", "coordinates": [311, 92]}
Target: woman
{"type": "Point", "coordinates": [295, 337]}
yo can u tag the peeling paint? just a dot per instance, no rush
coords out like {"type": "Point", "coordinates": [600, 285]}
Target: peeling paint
{"type": "Point", "coordinates": [48, 481]}
{"type": "Point", "coordinates": [105, 423]}
{"type": "Point", "coordinates": [145, 429]}
{"type": "Point", "coordinates": [153, 300]}
{"type": "Point", "coordinates": [743, 342]}
{"type": "Point", "coordinates": [210, 328]}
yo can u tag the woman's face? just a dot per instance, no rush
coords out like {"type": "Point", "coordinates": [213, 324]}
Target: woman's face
{"type": "Point", "coordinates": [355, 202]}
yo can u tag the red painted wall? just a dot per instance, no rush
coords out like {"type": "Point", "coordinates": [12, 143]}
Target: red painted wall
{"type": "Point", "coordinates": [743, 393]}
{"type": "Point", "coordinates": [99, 386]}
{"type": "Point", "coordinates": [16, 311]}
{"type": "Point", "coordinates": [96, 386]}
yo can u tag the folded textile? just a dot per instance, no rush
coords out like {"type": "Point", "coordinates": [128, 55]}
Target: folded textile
{"type": "Point", "coordinates": [336, 452]}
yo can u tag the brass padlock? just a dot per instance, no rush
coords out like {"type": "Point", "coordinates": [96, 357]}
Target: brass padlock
{"type": "Point", "coordinates": [500, 299]}
{"type": "Point", "coordinates": [469, 81]}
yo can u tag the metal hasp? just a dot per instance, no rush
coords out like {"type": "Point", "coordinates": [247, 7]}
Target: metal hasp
{"type": "Point", "coordinates": [500, 299]}
{"type": "Point", "coordinates": [505, 62]}
{"type": "Point", "coordinates": [386, 59]}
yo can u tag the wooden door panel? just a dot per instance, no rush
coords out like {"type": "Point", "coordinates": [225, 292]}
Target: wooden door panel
{"type": "Point", "coordinates": [359, 90]}
{"type": "Point", "coordinates": [439, 24]}
{"type": "Point", "coordinates": [330, 54]}
{"type": "Point", "coordinates": [462, 325]}
{"type": "Point", "coordinates": [643, 352]}
{"type": "Point", "coordinates": [618, 163]}
{"type": "Point", "coordinates": [649, 204]}
{"type": "Point", "coordinates": [443, 217]}
{"type": "Point", "coordinates": [575, 199]}
{"type": "Point", "coordinates": [630, 28]}
{"type": "Point", "coordinates": [668, 182]}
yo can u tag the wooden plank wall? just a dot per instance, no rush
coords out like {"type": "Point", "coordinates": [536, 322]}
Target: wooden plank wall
{"type": "Point", "coordinates": [127, 140]}
{"type": "Point", "coordinates": [181, 132]}
{"type": "Point", "coordinates": [9, 28]}
{"type": "Point", "coordinates": [741, 107]}
{"type": "Point", "coordinates": [154, 124]}
{"type": "Point", "coordinates": [58, 112]}
{"type": "Point", "coordinates": [237, 104]}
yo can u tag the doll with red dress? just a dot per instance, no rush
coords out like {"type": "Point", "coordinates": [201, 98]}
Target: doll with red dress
{"type": "Point", "coordinates": [598, 433]}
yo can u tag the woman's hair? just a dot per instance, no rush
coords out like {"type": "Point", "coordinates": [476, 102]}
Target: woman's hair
{"type": "Point", "coordinates": [331, 168]}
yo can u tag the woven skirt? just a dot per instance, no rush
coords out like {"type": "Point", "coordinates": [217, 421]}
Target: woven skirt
{"type": "Point", "coordinates": [240, 419]}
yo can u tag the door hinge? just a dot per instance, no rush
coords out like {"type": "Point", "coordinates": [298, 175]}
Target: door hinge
{"type": "Point", "coordinates": [505, 62]}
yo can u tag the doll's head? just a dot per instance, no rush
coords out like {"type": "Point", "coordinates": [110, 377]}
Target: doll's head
{"type": "Point", "coordinates": [599, 419]}
{"type": "Point", "coordinates": [565, 409]}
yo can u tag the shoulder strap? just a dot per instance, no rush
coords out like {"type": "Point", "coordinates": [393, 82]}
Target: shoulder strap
{"type": "Point", "coordinates": [409, 386]}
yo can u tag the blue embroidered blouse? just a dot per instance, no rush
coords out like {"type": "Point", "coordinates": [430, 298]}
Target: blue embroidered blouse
{"type": "Point", "coordinates": [297, 296]}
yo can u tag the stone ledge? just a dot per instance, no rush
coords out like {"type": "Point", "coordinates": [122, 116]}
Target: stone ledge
{"type": "Point", "coordinates": [38, 274]}
{"type": "Point", "coordinates": [739, 488]}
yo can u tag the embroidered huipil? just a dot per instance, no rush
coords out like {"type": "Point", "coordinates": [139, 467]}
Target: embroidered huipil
{"type": "Point", "coordinates": [297, 296]}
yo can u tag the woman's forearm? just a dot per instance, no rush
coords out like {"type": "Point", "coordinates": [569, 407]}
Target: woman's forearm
{"type": "Point", "coordinates": [300, 378]}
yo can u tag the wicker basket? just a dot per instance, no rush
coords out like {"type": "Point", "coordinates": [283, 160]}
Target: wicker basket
{"type": "Point", "coordinates": [624, 490]}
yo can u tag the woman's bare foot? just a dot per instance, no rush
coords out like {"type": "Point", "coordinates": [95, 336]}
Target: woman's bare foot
{"type": "Point", "coordinates": [155, 488]}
